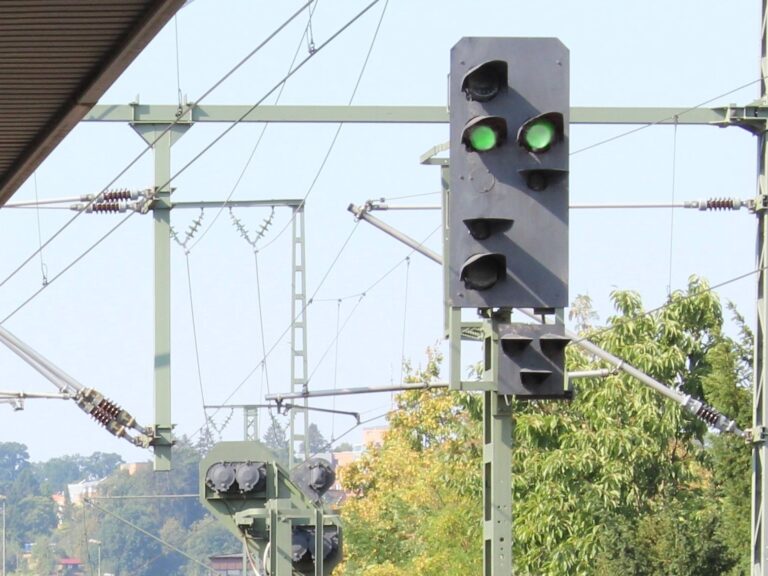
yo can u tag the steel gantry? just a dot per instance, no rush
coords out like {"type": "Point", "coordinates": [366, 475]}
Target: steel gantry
{"type": "Point", "coordinates": [760, 391]}
{"type": "Point", "coordinates": [499, 425]}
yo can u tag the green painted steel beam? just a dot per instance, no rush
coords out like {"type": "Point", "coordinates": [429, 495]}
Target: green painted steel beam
{"type": "Point", "coordinates": [161, 137]}
{"type": "Point", "coordinates": [164, 114]}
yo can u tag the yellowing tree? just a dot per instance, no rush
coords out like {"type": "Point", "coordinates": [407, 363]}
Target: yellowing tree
{"type": "Point", "coordinates": [619, 481]}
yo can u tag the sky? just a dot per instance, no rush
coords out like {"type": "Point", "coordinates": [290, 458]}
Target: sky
{"type": "Point", "coordinates": [374, 301]}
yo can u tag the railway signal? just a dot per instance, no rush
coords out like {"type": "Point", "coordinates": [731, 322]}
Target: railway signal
{"type": "Point", "coordinates": [508, 199]}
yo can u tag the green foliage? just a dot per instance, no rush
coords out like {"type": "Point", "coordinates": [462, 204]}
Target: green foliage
{"type": "Point", "coordinates": [317, 442]}
{"type": "Point", "coordinates": [416, 493]}
{"type": "Point", "coordinates": [619, 481]}
{"type": "Point", "coordinates": [56, 473]}
{"type": "Point", "coordinates": [181, 522]}
{"type": "Point", "coordinates": [276, 439]}
{"type": "Point", "coordinates": [127, 550]}
{"type": "Point", "coordinates": [13, 459]}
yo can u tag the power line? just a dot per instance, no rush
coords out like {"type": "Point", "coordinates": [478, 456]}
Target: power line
{"type": "Point", "coordinates": [261, 134]}
{"type": "Point", "coordinates": [147, 533]}
{"type": "Point", "coordinates": [339, 127]}
{"type": "Point", "coordinates": [197, 156]}
{"type": "Point", "coordinates": [149, 145]}
{"type": "Point", "coordinates": [664, 120]}
{"type": "Point", "coordinates": [597, 332]}
{"type": "Point", "coordinates": [67, 268]}
{"type": "Point", "coordinates": [287, 329]}
{"type": "Point", "coordinates": [312, 300]}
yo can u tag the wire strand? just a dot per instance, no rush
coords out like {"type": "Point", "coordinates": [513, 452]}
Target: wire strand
{"type": "Point", "coordinates": [601, 331]}
{"type": "Point", "coordinates": [335, 365]}
{"type": "Point", "coordinates": [261, 323]}
{"type": "Point", "coordinates": [335, 339]}
{"type": "Point", "coordinates": [43, 267]}
{"type": "Point", "coordinates": [664, 120]}
{"type": "Point", "coordinates": [672, 210]}
{"type": "Point", "coordinates": [146, 533]}
{"type": "Point", "coordinates": [194, 338]}
{"type": "Point", "coordinates": [259, 138]}
{"type": "Point", "coordinates": [67, 268]}
{"type": "Point", "coordinates": [405, 317]}
{"type": "Point", "coordinates": [335, 137]}
{"type": "Point", "coordinates": [178, 60]}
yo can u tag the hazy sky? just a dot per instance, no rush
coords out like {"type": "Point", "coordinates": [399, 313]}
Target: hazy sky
{"type": "Point", "coordinates": [96, 320]}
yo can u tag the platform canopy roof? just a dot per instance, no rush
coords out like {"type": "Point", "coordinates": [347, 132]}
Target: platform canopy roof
{"type": "Point", "coordinates": [57, 58]}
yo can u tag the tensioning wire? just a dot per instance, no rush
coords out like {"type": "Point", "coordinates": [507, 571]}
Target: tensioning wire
{"type": "Point", "coordinates": [150, 145]}
{"type": "Point", "coordinates": [682, 298]}
{"type": "Point", "coordinates": [259, 138]}
{"type": "Point", "coordinates": [197, 156]}
{"type": "Point", "coordinates": [664, 120]}
{"type": "Point", "coordinates": [332, 144]}
{"type": "Point", "coordinates": [288, 328]}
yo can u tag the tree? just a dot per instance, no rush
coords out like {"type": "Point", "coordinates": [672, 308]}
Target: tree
{"type": "Point", "coordinates": [417, 507]}
{"type": "Point", "coordinates": [620, 480]}
{"type": "Point", "coordinates": [317, 442]}
{"type": "Point", "coordinates": [276, 439]}
{"type": "Point", "coordinates": [32, 516]}
{"type": "Point", "coordinates": [207, 537]}
{"type": "Point", "coordinates": [13, 459]}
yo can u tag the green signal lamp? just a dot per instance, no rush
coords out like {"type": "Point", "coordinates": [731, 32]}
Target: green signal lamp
{"type": "Point", "coordinates": [484, 133]}
{"type": "Point", "coordinates": [540, 133]}
{"type": "Point", "coordinates": [483, 138]}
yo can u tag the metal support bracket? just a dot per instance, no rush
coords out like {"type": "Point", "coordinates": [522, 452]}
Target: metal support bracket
{"type": "Point", "coordinates": [757, 435]}
{"type": "Point", "coordinates": [752, 117]}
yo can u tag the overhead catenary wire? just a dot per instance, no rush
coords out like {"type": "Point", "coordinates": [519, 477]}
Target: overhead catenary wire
{"type": "Point", "coordinates": [178, 62]}
{"type": "Point", "coordinates": [159, 540]}
{"type": "Point", "coordinates": [336, 363]}
{"type": "Point", "coordinates": [335, 137]}
{"type": "Point", "coordinates": [313, 300]}
{"type": "Point", "coordinates": [194, 336]}
{"type": "Point", "coordinates": [672, 211]}
{"type": "Point", "coordinates": [151, 144]}
{"type": "Point", "coordinates": [405, 317]}
{"type": "Point", "coordinates": [260, 137]}
{"type": "Point", "coordinates": [339, 330]}
{"type": "Point", "coordinates": [67, 268]}
{"type": "Point", "coordinates": [262, 332]}
{"type": "Point", "coordinates": [43, 267]}
{"type": "Point", "coordinates": [194, 159]}
{"type": "Point", "coordinates": [271, 91]}
{"type": "Point", "coordinates": [288, 328]}
{"type": "Point", "coordinates": [665, 120]}
{"type": "Point", "coordinates": [681, 298]}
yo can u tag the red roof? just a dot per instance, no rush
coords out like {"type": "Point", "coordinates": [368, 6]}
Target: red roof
{"type": "Point", "coordinates": [70, 562]}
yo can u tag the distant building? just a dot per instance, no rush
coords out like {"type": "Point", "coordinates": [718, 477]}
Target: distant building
{"type": "Point", "coordinates": [61, 503]}
{"type": "Point", "coordinates": [134, 467]}
{"type": "Point", "coordinates": [69, 567]}
{"type": "Point", "coordinates": [229, 565]}
{"type": "Point", "coordinates": [372, 437]}
{"type": "Point", "coordinates": [83, 489]}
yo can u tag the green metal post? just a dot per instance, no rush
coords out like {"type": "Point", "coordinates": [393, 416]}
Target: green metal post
{"type": "Point", "coordinates": [760, 393]}
{"type": "Point", "coordinates": [299, 424]}
{"type": "Point", "coordinates": [250, 423]}
{"type": "Point", "coordinates": [497, 476]}
{"type": "Point", "coordinates": [161, 213]}
{"type": "Point", "coordinates": [280, 541]}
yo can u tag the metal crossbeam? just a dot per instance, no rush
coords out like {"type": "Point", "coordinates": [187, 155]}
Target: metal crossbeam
{"type": "Point", "coordinates": [168, 114]}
